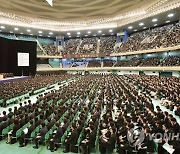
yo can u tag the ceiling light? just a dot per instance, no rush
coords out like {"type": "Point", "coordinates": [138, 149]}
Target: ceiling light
{"type": "Point", "coordinates": [21, 33]}
{"type": "Point", "coordinates": [170, 15]}
{"type": "Point", "coordinates": [167, 21]}
{"type": "Point", "coordinates": [89, 32]}
{"type": "Point", "coordinates": [40, 32]}
{"type": "Point", "coordinates": [68, 33]}
{"type": "Point", "coordinates": [103, 34]}
{"type": "Point", "coordinates": [112, 33]}
{"type": "Point", "coordinates": [50, 33]}
{"type": "Point", "coordinates": [16, 29]}
{"type": "Point", "coordinates": [86, 35]}
{"type": "Point", "coordinates": [110, 30]}
{"type": "Point", "coordinates": [49, 36]}
{"type": "Point", "coordinates": [99, 31]}
{"type": "Point", "coordinates": [40, 35]}
{"type": "Point", "coordinates": [141, 24]}
{"type": "Point", "coordinates": [50, 2]}
{"type": "Point", "coordinates": [78, 36]}
{"type": "Point", "coordinates": [2, 27]}
{"type": "Point", "coordinates": [135, 30]}
{"type": "Point", "coordinates": [154, 20]}
{"type": "Point", "coordinates": [11, 32]}
{"type": "Point", "coordinates": [78, 33]}
{"type": "Point", "coordinates": [28, 30]}
{"type": "Point", "coordinates": [69, 36]}
{"type": "Point", "coordinates": [144, 27]}
{"type": "Point", "coordinates": [94, 35]}
{"type": "Point", "coordinates": [155, 24]}
{"type": "Point", "coordinates": [31, 34]}
{"type": "Point", "coordinates": [0, 30]}
{"type": "Point", "coordinates": [130, 27]}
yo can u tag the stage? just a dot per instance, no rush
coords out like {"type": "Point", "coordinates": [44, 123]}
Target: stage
{"type": "Point", "coordinates": [11, 79]}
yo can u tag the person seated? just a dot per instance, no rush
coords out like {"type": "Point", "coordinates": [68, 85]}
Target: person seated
{"type": "Point", "coordinates": [57, 134]}
{"type": "Point", "coordinates": [23, 139]}
{"type": "Point", "coordinates": [12, 133]}
{"type": "Point", "coordinates": [40, 136]}
{"type": "Point", "coordinates": [71, 138]}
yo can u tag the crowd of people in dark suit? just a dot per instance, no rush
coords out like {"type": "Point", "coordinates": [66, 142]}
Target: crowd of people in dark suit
{"type": "Point", "coordinates": [165, 88]}
{"type": "Point", "coordinates": [24, 86]}
{"type": "Point", "coordinates": [96, 112]}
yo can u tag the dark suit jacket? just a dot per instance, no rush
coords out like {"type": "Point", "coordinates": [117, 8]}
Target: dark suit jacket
{"type": "Point", "coordinates": [15, 129]}
{"type": "Point", "coordinates": [58, 134]}
{"type": "Point", "coordinates": [3, 125]}
{"type": "Point", "coordinates": [112, 141]}
{"type": "Point", "coordinates": [72, 139]}
{"type": "Point", "coordinates": [30, 130]}
{"type": "Point", "coordinates": [43, 132]}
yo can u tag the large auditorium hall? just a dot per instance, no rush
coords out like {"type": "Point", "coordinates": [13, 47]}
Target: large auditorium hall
{"type": "Point", "coordinates": [90, 76]}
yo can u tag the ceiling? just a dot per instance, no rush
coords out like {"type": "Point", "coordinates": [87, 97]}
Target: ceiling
{"type": "Point", "coordinates": [83, 15]}
{"type": "Point", "coordinates": [70, 9]}
{"type": "Point", "coordinates": [148, 23]}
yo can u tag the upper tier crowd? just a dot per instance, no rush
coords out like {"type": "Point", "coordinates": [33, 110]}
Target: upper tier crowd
{"type": "Point", "coordinates": [156, 61]}
{"type": "Point", "coordinates": [158, 37]}
{"type": "Point", "coordinates": [98, 110]}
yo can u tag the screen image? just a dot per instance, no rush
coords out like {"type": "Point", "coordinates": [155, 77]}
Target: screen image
{"type": "Point", "coordinates": [23, 59]}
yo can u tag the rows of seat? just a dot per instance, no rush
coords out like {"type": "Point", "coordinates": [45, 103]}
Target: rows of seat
{"type": "Point", "coordinates": [94, 113]}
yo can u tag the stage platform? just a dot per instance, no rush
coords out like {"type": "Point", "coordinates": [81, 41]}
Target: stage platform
{"type": "Point", "coordinates": [11, 79]}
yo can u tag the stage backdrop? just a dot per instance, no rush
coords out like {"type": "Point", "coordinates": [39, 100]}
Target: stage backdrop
{"type": "Point", "coordinates": [9, 50]}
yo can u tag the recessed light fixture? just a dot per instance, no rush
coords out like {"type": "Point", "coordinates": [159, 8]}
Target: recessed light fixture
{"type": "Point", "coordinates": [40, 32]}
{"type": "Point", "coordinates": [86, 35]}
{"type": "Point", "coordinates": [40, 35]}
{"type": "Point", "coordinates": [78, 33]}
{"type": "Point", "coordinates": [49, 36]}
{"type": "Point", "coordinates": [144, 27]}
{"type": "Point", "coordinates": [28, 30]}
{"type": "Point", "coordinates": [11, 32]}
{"type": "Point", "coordinates": [112, 33]}
{"type": "Point", "coordinates": [135, 30]}
{"type": "Point", "coordinates": [78, 36]}
{"type": "Point", "coordinates": [141, 24]}
{"type": "Point", "coordinates": [130, 27]}
{"type": "Point", "coordinates": [0, 30]}
{"type": "Point", "coordinates": [99, 31]}
{"type": "Point", "coordinates": [89, 32]}
{"type": "Point", "coordinates": [21, 33]}
{"type": "Point", "coordinates": [2, 27]}
{"type": "Point", "coordinates": [68, 33]}
{"type": "Point", "coordinates": [110, 30]}
{"type": "Point", "coordinates": [155, 24]}
{"type": "Point", "coordinates": [170, 15]}
{"type": "Point", "coordinates": [167, 21]}
{"type": "Point", "coordinates": [16, 29]}
{"type": "Point", "coordinates": [94, 35]}
{"type": "Point", "coordinates": [154, 20]}
{"type": "Point", "coordinates": [31, 34]}
{"type": "Point", "coordinates": [103, 34]}
{"type": "Point", "coordinates": [50, 33]}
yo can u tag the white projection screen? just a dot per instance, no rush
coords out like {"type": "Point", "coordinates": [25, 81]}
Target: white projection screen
{"type": "Point", "coordinates": [23, 59]}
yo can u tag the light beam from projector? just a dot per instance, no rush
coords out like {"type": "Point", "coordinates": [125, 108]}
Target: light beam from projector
{"type": "Point", "coordinates": [50, 2]}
